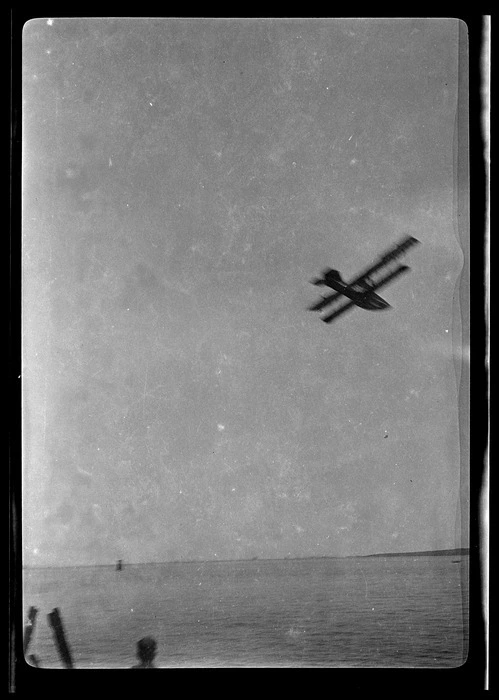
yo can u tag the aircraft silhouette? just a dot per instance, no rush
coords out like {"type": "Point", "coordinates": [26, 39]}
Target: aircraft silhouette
{"type": "Point", "coordinates": [361, 290]}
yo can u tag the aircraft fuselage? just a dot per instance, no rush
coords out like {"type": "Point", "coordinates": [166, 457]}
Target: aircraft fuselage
{"type": "Point", "coordinates": [361, 294]}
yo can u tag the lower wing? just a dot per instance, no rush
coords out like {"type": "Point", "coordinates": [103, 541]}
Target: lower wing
{"type": "Point", "coordinates": [324, 302]}
{"type": "Point", "coordinates": [338, 312]}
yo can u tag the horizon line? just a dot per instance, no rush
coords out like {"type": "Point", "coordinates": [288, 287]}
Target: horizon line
{"type": "Point", "coordinates": [429, 552]}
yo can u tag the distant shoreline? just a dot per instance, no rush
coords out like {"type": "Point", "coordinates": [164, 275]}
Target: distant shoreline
{"type": "Point", "coordinates": [463, 551]}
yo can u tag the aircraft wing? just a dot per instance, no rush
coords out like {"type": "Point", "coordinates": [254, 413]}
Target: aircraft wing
{"type": "Point", "coordinates": [341, 310]}
{"type": "Point", "coordinates": [387, 258]}
{"type": "Point", "coordinates": [401, 247]}
{"type": "Point", "coordinates": [324, 301]}
{"type": "Point", "coordinates": [388, 278]}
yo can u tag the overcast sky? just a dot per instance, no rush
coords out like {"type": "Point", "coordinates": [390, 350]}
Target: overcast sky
{"type": "Point", "coordinates": [183, 180]}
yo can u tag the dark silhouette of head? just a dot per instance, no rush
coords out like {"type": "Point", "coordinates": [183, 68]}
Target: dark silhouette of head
{"type": "Point", "coordinates": [146, 651]}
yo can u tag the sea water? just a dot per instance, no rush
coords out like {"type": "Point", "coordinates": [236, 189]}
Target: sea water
{"type": "Point", "coordinates": [403, 611]}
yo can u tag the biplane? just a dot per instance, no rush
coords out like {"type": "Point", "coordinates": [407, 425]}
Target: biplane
{"type": "Point", "coordinates": [361, 291]}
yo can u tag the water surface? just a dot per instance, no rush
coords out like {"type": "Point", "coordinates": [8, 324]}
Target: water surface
{"type": "Point", "coordinates": [404, 611]}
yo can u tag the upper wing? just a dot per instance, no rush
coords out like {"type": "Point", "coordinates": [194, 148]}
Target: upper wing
{"type": "Point", "coordinates": [388, 278]}
{"type": "Point", "coordinates": [387, 258]}
{"type": "Point", "coordinates": [340, 310]}
{"type": "Point", "coordinates": [401, 247]}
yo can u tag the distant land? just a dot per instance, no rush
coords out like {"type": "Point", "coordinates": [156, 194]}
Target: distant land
{"type": "Point", "coordinates": [463, 551]}
{"type": "Point", "coordinates": [431, 553]}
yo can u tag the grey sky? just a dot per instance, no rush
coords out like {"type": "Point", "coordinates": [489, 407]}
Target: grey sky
{"type": "Point", "coordinates": [183, 182]}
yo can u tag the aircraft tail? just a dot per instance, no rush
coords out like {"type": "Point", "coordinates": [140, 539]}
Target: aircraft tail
{"type": "Point", "coordinates": [333, 276]}
{"type": "Point", "coordinates": [321, 281]}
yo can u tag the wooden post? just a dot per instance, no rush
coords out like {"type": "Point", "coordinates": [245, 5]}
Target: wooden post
{"type": "Point", "coordinates": [55, 622]}
{"type": "Point", "coordinates": [29, 627]}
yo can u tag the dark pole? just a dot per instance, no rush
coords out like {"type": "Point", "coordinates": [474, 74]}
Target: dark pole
{"type": "Point", "coordinates": [55, 622]}
{"type": "Point", "coordinates": [29, 627]}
